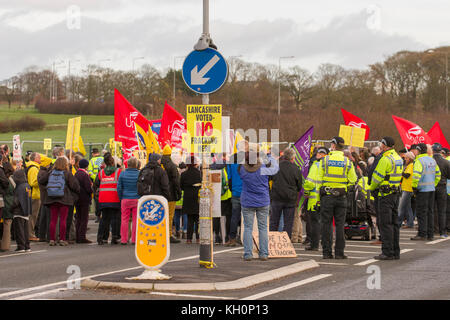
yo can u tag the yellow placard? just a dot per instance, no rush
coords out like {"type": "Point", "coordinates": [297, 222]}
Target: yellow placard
{"type": "Point", "coordinates": [73, 133]}
{"type": "Point", "coordinates": [80, 146]}
{"type": "Point", "coordinates": [141, 155]}
{"type": "Point", "coordinates": [152, 232]}
{"type": "Point", "coordinates": [115, 147]}
{"type": "Point", "coordinates": [352, 136]}
{"type": "Point", "coordinates": [47, 144]}
{"type": "Point", "coordinates": [204, 124]}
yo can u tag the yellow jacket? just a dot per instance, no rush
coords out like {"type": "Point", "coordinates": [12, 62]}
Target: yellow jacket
{"type": "Point", "coordinates": [33, 170]}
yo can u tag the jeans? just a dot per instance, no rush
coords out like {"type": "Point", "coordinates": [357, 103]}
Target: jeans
{"type": "Point", "coordinates": [405, 209]}
{"type": "Point", "coordinates": [180, 216]}
{"type": "Point", "coordinates": [278, 209]}
{"type": "Point", "coordinates": [235, 216]}
{"type": "Point", "coordinates": [129, 208]}
{"type": "Point", "coordinates": [261, 216]}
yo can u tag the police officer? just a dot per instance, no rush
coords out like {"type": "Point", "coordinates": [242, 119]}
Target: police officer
{"type": "Point", "coordinates": [336, 173]}
{"type": "Point", "coordinates": [386, 180]}
{"type": "Point", "coordinates": [93, 169]}
{"type": "Point", "coordinates": [426, 176]}
{"type": "Point", "coordinates": [440, 195]}
{"type": "Point", "coordinates": [312, 192]}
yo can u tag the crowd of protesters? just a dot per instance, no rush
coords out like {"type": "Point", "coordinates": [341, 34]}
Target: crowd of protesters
{"type": "Point", "coordinates": [46, 199]}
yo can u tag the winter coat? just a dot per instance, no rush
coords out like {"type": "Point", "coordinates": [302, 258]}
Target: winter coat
{"type": "Point", "coordinates": [8, 199]}
{"type": "Point", "coordinates": [255, 183]}
{"type": "Point", "coordinates": [86, 190]}
{"type": "Point", "coordinates": [160, 186]}
{"type": "Point", "coordinates": [444, 166]}
{"type": "Point", "coordinates": [190, 184]}
{"type": "Point", "coordinates": [287, 183]}
{"type": "Point", "coordinates": [127, 186]}
{"type": "Point", "coordinates": [33, 170]}
{"type": "Point", "coordinates": [42, 177]}
{"type": "Point", "coordinates": [4, 182]}
{"type": "Point", "coordinates": [71, 187]}
{"type": "Point", "coordinates": [174, 178]}
{"type": "Point", "coordinates": [21, 206]}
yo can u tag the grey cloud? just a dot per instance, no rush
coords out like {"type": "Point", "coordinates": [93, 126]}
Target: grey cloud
{"type": "Point", "coordinates": [346, 38]}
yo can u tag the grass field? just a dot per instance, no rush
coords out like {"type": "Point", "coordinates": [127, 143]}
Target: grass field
{"type": "Point", "coordinates": [90, 135]}
{"type": "Point", "coordinates": [15, 113]}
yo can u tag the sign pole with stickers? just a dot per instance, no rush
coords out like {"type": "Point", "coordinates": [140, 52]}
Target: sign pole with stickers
{"type": "Point", "coordinates": [152, 247]}
{"type": "Point", "coordinates": [205, 71]}
{"type": "Point", "coordinates": [17, 150]}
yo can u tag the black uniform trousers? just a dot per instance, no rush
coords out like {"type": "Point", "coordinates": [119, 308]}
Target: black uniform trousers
{"type": "Point", "coordinates": [315, 228]}
{"type": "Point", "coordinates": [389, 225]}
{"type": "Point", "coordinates": [333, 207]}
{"type": "Point", "coordinates": [425, 213]}
{"type": "Point", "coordinates": [440, 211]}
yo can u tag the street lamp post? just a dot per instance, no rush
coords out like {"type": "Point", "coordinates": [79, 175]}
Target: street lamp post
{"type": "Point", "coordinates": [174, 76]}
{"type": "Point", "coordinates": [132, 71]}
{"type": "Point", "coordinates": [279, 86]}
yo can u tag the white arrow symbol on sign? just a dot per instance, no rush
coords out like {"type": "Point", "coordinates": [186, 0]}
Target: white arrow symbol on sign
{"type": "Point", "coordinates": [197, 76]}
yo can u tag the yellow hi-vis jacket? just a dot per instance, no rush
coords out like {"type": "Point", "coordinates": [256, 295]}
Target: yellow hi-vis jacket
{"type": "Point", "coordinates": [94, 166]}
{"type": "Point", "coordinates": [227, 194]}
{"type": "Point", "coordinates": [388, 172]}
{"type": "Point", "coordinates": [336, 171]}
{"type": "Point", "coordinates": [310, 186]}
{"type": "Point", "coordinates": [365, 187]}
{"type": "Point", "coordinates": [426, 173]}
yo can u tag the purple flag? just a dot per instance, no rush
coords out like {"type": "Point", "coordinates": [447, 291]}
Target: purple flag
{"type": "Point", "coordinates": [302, 150]}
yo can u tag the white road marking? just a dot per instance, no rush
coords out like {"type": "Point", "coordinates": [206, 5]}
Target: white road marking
{"type": "Point", "coordinates": [190, 295]}
{"type": "Point", "coordinates": [333, 263]}
{"type": "Point", "coordinates": [286, 287]}
{"type": "Point", "coordinates": [17, 292]}
{"type": "Point", "coordinates": [363, 263]}
{"type": "Point", "coordinates": [437, 241]}
{"type": "Point", "coordinates": [319, 255]}
{"type": "Point", "coordinates": [21, 253]}
{"type": "Point", "coordinates": [34, 295]}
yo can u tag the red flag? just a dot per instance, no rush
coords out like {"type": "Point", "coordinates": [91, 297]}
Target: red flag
{"type": "Point", "coordinates": [173, 125]}
{"type": "Point", "coordinates": [353, 121]}
{"type": "Point", "coordinates": [410, 132]}
{"type": "Point", "coordinates": [436, 135]}
{"type": "Point", "coordinates": [125, 115]}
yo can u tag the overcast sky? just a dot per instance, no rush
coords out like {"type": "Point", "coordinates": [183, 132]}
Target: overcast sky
{"type": "Point", "coordinates": [352, 33]}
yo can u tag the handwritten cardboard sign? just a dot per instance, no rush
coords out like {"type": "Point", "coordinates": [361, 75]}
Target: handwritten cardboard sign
{"type": "Point", "coordinates": [280, 246]}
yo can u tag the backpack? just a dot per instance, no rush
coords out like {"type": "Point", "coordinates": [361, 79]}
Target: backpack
{"type": "Point", "coordinates": [145, 181]}
{"type": "Point", "coordinates": [56, 184]}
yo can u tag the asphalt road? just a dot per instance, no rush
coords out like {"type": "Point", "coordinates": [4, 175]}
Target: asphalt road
{"type": "Point", "coordinates": [420, 274]}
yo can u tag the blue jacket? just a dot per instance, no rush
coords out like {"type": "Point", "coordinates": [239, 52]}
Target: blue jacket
{"type": "Point", "coordinates": [234, 179]}
{"type": "Point", "coordinates": [255, 184]}
{"type": "Point", "coordinates": [127, 185]}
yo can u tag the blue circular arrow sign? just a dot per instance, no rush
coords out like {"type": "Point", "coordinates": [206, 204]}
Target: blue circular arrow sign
{"type": "Point", "coordinates": [205, 71]}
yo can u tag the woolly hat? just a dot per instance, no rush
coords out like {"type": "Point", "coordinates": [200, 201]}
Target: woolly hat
{"type": "Point", "coordinates": [83, 164]}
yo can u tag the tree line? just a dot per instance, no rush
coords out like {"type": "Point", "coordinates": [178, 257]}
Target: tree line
{"type": "Point", "coordinates": [405, 82]}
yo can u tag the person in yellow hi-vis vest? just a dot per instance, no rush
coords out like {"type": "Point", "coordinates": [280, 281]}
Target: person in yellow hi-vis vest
{"type": "Point", "coordinates": [426, 176]}
{"type": "Point", "coordinates": [386, 181]}
{"type": "Point", "coordinates": [336, 174]}
{"type": "Point", "coordinates": [312, 193]}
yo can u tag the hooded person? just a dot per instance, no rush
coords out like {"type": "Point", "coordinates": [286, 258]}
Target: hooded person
{"type": "Point", "coordinates": [153, 179]}
{"type": "Point", "coordinates": [84, 201]}
{"type": "Point", "coordinates": [22, 210]}
{"type": "Point", "coordinates": [174, 185]}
